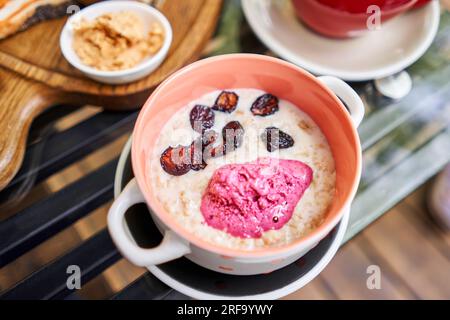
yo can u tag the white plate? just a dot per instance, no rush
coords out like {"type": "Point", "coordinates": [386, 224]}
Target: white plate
{"type": "Point", "coordinates": [379, 53]}
{"type": "Point", "coordinates": [199, 283]}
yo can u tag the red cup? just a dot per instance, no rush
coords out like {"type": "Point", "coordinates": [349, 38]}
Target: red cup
{"type": "Point", "coordinates": [421, 3]}
{"type": "Point", "coordinates": [349, 18]}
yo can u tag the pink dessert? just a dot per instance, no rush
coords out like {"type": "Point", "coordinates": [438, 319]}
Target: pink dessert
{"type": "Point", "coordinates": [247, 199]}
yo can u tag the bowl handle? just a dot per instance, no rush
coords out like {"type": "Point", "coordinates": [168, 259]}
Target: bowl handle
{"type": "Point", "coordinates": [348, 95]}
{"type": "Point", "coordinates": [171, 247]}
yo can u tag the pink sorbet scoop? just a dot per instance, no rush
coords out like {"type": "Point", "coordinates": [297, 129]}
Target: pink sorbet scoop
{"type": "Point", "coordinates": [247, 199]}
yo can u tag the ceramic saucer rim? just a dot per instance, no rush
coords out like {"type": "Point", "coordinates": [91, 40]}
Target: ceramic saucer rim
{"type": "Point", "coordinates": [280, 49]}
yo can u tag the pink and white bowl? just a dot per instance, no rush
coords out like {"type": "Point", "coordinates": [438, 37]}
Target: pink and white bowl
{"type": "Point", "coordinates": [318, 97]}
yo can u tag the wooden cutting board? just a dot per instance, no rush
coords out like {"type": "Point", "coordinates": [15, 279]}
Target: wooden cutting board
{"type": "Point", "coordinates": [35, 76]}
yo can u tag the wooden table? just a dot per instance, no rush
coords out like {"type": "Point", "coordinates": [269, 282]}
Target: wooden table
{"type": "Point", "coordinates": [405, 143]}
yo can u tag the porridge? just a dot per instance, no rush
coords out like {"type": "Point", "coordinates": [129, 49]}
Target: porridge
{"type": "Point", "coordinates": [242, 169]}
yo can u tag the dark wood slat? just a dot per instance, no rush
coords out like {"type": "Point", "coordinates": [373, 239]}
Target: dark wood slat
{"type": "Point", "coordinates": [175, 295]}
{"type": "Point", "coordinates": [147, 287]}
{"type": "Point", "coordinates": [45, 218]}
{"type": "Point", "coordinates": [93, 256]}
{"type": "Point", "coordinates": [62, 149]}
{"type": "Point", "coordinates": [47, 118]}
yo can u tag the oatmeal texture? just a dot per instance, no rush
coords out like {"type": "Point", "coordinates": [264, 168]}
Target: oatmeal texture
{"type": "Point", "coordinates": [181, 196]}
{"type": "Point", "coordinates": [116, 41]}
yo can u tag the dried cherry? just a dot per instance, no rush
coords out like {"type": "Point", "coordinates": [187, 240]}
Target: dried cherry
{"type": "Point", "coordinates": [265, 105]}
{"type": "Point", "coordinates": [176, 161]}
{"type": "Point", "coordinates": [233, 131]}
{"type": "Point", "coordinates": [202, 118]}
{"type": "Point", "coordinates": [226, 101]}
{"type": "Point", "coordinates": [276, 139]}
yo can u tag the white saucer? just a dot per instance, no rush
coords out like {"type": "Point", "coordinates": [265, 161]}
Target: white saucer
{"type": "Point", "coordinates": [379, 53]}
{"type": "Point", "coordinates": [199, 283]}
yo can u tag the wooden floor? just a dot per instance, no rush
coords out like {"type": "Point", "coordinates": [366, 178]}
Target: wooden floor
{"type": "Point", "coordinates": [412, 252]}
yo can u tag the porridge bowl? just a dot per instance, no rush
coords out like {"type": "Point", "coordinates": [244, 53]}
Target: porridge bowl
{"type": "Point", "coordinates": [317, 139]}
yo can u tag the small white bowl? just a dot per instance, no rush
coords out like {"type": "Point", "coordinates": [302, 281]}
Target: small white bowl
{"type": "Point", "coordinates": [148, 14]}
